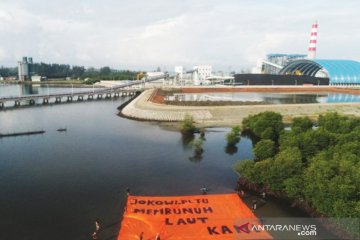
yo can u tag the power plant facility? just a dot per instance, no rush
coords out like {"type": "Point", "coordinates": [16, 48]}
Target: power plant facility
{"type": "Point", "coordinates": [201, 72]}
{"type": "Point", "coordinates": [300, 69]}
{"type": "Point", "coordinates": [276, 61]}
{"type": "Point", "coordinates": [274, 69]}
{"type": "Point", "coordinates": [199, 75]}
{"type": "Point", "coordinates": [25, 69]}
{"type": "Point", "coordinates": [312, 43]}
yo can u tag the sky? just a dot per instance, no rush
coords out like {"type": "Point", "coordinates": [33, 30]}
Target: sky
{"type": "Point", "coordinates": [230, 35]}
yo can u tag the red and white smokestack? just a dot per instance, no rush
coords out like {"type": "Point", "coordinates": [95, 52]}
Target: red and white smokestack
{"type": "Point", "coordinates": [313, 39]}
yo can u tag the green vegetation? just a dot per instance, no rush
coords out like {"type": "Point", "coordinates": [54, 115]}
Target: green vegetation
{"type": "Point", "coordinates": [188, 130]}
{"type": "Point", "coordinates": [91, 81]}
{"type": "Point", "coordinates": [188, 126]}
{"type": "Point", "coordinates": [106, 73]}
{"type": "Point", "coordinates": [197, 144]}
{"type": "Point", "coordinates": [62, 71]}
{"type": "Point", "coordinates": [8, 72]}
{"type": "Point", "coordinates": [319, 166]}
{"type": "Point", "coordinates": [301, 124]}
{"type": "Point", "coordinates": [265, 125]}
{"type": "Point", "coordinates": [65, 70]}
{"type": "Point", "coordinates": [233, 137]}
{"type": "Point", "coordinates": [264, 149]}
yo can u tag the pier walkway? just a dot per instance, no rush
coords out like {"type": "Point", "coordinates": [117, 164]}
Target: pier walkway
{"type": "Point", "coordinates": [125, 89]}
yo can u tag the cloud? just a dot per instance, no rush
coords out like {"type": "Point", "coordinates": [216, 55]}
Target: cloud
{"type": "Point", "coordinates": [2, 54]}
{"type": "Point", "coordinates": [139, 34]}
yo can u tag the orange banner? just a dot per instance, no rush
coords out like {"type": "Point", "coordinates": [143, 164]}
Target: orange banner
{"type": "Point", "coordinates": [199, 217]}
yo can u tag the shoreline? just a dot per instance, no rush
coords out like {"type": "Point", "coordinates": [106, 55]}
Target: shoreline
{"type": "Point", "coordinates": [148, 107]}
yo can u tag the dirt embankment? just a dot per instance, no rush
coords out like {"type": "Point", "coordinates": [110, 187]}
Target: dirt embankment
{"type": "Point", "coordinates": [150, 106]}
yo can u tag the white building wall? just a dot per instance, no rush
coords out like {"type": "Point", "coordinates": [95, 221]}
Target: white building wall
{"type": "Point", "coordinates": [20, 72]}
{"type": "Point", "coordinates": [23, 71]}
{"type": "Point", "coordinates": [257, 69]}
{"type": "Point", "coordinates": [156, 74]}
{"type": "Point", "coordinates": [36, 78]}
{"type": "Point", "coordinates": [203, 71]}
{"type": "Point", "coordinates": [179, 70]}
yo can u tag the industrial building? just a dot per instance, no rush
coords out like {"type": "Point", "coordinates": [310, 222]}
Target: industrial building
{"type": "Point", "coordinates": [272, 79]}
{"type": "Point", "coordinates": [339, 72]}
{"type": "Point", "coordinates": [306, 71]}
{"type": "Point", "coordinates": [201, 73]}
{"type": "Point", "coordinates": [179, 70]}
{"type": "Point", "coordinates": [25, 69]}
{"type": "Point", "coordinates": [275, 61]}
{"type": "Point", "coordinates": [36, 78]}
{"type": "Point", "coordinates": [298, 69]}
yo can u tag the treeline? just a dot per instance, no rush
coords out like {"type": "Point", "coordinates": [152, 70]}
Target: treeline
{"type": "Point", "coordinates": [320, 166]}
{"type": "Point", "coordinates": [62, 71]}
{"type": "Point", "coordinates": [8, 72]}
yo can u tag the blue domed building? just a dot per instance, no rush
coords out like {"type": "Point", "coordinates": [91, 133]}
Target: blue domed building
{"type": "Point", "coordinates": [339, 72]}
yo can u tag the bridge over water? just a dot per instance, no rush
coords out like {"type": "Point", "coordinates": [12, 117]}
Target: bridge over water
{"type": "Point", "coordinates": [115, 91]}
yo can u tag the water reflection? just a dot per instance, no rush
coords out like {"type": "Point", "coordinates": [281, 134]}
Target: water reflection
{"type": "Point", "coordinates": [191, 141]}
{"type": "Point", "coordinates": [93, 163]}
{"type": "Point", "coordinates": [265, 98]}
{"type": "Point", "coordinates": [292, 98]}
{"type": "Point", "coordinates": [231, 149]}
{"type": "Point", "coordinates": [197, 144]}
{"type": "Point", "coordinates": [250, 135]}
{"type": "Point", "coordinates": [202, 134]}
{"type": "Point", "coordinates": [29, 89]}
{"type": "Point", "coordinates": [35, 89]}
{"type": "Point", "coordinates": [186, 140]}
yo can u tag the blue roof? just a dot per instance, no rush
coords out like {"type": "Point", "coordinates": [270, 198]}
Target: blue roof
{"type": "Point", "coordinates": [338, 71]}
{"type": "Point", "coordinates": [341, 71]}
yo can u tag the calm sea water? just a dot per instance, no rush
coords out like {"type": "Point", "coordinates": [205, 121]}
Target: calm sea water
{"type": "Point", "coordinates": [54, 186]}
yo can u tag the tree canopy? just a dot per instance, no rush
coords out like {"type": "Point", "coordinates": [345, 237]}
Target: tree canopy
{"type": "Point", "coordinates": [7, 72]}
{"type": "Point", "coordinates": [264, 149]}
{"type": "Point", "coordinates": [233, 137]}
{"type": "Point", "coordinates": [320, 166]}
{"type": "Point", "coordinates": [266, 125]}
{"type": "Point", "coordinates": [55, 70]}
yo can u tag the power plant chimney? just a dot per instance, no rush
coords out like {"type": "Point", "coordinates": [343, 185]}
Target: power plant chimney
{"type": "Point", "coordinates": [313, 39]}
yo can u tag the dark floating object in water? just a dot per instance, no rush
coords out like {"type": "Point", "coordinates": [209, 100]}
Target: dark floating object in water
{"type": "Point", "coordinates": [21, 133]}
{"type": "Point", "coordinates": [62, 130]}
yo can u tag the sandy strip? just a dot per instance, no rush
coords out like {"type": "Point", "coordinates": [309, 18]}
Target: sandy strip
{"type": "Point", "coordinates": [226, 116]}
